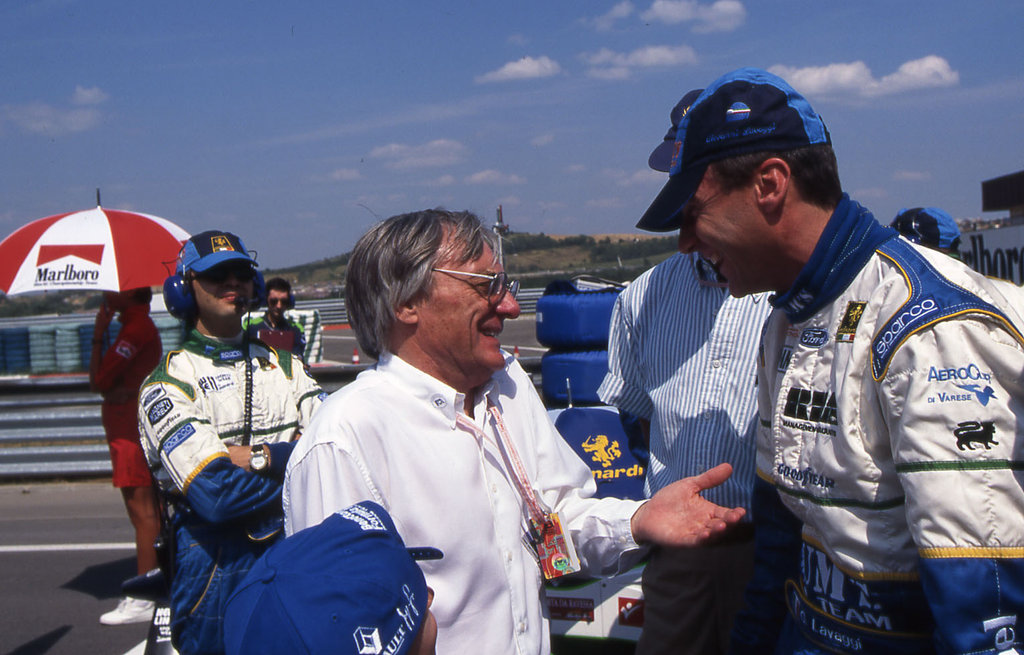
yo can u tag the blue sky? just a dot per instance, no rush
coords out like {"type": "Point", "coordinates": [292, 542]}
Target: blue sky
{"type": "Point", "coordinates": [298, 125]}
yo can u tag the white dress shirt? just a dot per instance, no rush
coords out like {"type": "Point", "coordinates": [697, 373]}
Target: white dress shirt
{"type": "Point", "coordinates": [391, 436]}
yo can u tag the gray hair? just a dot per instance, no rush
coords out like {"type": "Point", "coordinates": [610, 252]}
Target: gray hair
{"type": "Point", "coordinates": [391, 265]}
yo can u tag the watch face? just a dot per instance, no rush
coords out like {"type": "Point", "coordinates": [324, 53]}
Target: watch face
{"type": "Point", "coordinates": [258, 459]}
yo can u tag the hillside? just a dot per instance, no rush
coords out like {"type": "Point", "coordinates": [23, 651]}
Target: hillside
{"type": "Point", "coordinates": [535, 259]}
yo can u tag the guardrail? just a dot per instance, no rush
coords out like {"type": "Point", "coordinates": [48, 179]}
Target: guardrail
{"type": "Point", "coordinates": [50, 427]}
{"type": "Point", "coordinates": [332, 311]}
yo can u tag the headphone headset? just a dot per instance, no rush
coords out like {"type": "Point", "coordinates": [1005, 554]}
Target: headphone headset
{"type": "Point", "coordinates": [181, 303]}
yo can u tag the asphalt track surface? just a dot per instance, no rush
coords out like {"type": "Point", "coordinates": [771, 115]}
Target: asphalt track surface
{"type": "Point", "coordinates": [65, 547]}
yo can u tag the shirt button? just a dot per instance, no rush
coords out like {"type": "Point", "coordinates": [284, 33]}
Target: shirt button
{"type": "Point", "coordinates": [508, 555]}
{"type": "Point", "coordinates": [716, 363]}
{"type": "Point", "coordinates": [521, 627]}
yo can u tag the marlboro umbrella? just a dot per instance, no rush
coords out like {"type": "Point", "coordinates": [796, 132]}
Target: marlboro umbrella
{"type": "Point", "coordinates": [97, 249]}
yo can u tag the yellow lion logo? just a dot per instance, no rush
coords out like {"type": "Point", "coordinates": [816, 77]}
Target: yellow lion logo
{"type": "Point", "coordinates": [601, 451]}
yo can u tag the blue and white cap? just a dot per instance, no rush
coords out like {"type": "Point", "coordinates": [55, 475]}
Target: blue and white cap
{"type": "Point", "coordinates": [930, 227]}
{"type": "Point", "coordinates": [207, 249]}
{"type": "Point", "coordinates": [747, 110]}
{"type": "Point", "coordinates": [346, 585]}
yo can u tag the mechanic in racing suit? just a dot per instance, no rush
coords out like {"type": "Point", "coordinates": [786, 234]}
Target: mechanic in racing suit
{"type": "Point", "coordinates": [219, 419]}
{"type": "Point", "coordinates": [889, 513]}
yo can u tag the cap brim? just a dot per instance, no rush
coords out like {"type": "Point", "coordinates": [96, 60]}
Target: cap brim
{"type": "Point", "coordinates": [217, 258]}
{"type": "Point", "coordinates": [666, 212]}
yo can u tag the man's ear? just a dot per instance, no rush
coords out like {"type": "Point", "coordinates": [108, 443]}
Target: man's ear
{"type": "Point", "coordinates": [408, 314]}
{"type": "Point", "coordinates": [771, 185]}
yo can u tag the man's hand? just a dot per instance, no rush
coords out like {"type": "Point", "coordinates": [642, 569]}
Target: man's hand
{"type": "Point", "coordinates": [240, 456]}
{"type": "Point", "coordinates": [677, 515]}
{"type": "Point", "coordinates": [103, 318]}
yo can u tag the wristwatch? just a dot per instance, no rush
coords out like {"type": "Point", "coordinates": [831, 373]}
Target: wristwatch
{"type": "Point", "coordinates": [259, 459]}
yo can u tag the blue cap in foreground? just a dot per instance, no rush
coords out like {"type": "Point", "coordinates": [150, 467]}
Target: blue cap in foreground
{"type": "Point", "coordinates": [347, 585]}
{"type": "Point", "coordinates": [747, 110]}
{"type": "Point", "coordinates": [930, 227]}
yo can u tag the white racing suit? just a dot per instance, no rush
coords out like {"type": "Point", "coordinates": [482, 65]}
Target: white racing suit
{"type": "Point", "coordinates": [889, 511]}
{"type": "Point", "coordinates": [191, 407]}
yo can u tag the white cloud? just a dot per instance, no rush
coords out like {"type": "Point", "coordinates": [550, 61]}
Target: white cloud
{"type": "Point", "coordinates": [517, 39]}
{"type": "Point", "coordinates": [444, 180]}
{"type": "Point", "coordinates": [440, 152]}
{"type": "Point", "coordinates": [856, 78]}
{"type": "Point", "coordinates": [607, 21]}
{"type": "Point", "coordinates": [345, 175]}
{"type": "Point", "coordinates": [42, 118]}
{"type": "Point", "coordinates": [491, 176]}
{"type": "Point", "coordinates": [91, 96]}
{"type": "Point", "coordinates": [719, 16]}
{"type": "Point", "coordinates": [542, 140]}
{"type": "Point", "coordinates": [525, 68]}
{"type": "Point", "coordinates": [576, 168]}
{"type": "Point", "coordinates": [605, 203]}
{"type": "Point", "coordinates": [643, 177]}
{"type": "Point", "coordinates": [609, 64]}
{"type": "Point", "coordinates": [911, 176]}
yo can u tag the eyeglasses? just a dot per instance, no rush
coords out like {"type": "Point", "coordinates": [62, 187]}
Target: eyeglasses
{"type": "Point", "coordinates": [499, 283]}
{"type": "Point", "coordinates": [218, 274]}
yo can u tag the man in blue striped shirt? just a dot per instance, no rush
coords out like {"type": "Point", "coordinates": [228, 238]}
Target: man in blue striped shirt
{"type": "Point", "coordinates": [682, 358]}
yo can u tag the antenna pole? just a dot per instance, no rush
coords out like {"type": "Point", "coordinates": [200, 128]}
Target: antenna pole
{"type": "Point", "coordinates": [500, 229]}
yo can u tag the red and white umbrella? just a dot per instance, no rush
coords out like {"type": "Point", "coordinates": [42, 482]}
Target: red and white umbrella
{"type": "Point", "coordinates": [96, 249]}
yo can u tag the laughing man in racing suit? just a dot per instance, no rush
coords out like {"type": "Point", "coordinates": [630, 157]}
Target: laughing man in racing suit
{"type": "Point", "coordinates": [889, 512]}
{"type": "Point", "coordinates": [219, 419]}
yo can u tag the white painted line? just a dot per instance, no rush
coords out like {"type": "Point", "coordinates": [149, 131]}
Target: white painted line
{"type": "Point", "coordinates": [44, 548]}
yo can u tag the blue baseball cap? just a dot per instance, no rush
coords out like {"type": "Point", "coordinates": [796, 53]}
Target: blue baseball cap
{"type": "Point", "coordinates": [930, 227]}
{"type": "Point", "coordinates": [747, 110]}
{"type": "Point", "coordinates": [346, 585]}
{"type": "Point", "coordinates": [207, 249]}
{"type": "Point", "coordinates": [661, 156]}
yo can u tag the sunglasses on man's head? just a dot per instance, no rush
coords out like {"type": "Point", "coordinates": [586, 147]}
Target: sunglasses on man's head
{"type": "Point", "coordinates": [218, 274]}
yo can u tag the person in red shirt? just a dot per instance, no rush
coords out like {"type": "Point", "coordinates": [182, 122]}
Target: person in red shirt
{"type": "Point", "coordinates": [117, 374]}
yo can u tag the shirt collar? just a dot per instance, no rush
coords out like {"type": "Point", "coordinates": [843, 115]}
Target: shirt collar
{"type": "Point", "coordinates": [432, 392]}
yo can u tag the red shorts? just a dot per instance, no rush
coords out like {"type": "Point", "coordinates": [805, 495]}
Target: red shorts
{"type": "Point", "coordinates": [130, 469]}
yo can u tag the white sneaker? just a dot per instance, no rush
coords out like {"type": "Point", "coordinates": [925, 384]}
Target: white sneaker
{"type": "Point", "coordinates": [129, 610]}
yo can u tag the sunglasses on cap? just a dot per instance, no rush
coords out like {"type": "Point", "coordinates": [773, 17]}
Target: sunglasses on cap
{"type": "Point", "coordinates": [218, 274]}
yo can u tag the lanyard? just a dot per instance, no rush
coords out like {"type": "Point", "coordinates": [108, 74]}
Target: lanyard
{"type": "Point", "coordinates": [518, 472]}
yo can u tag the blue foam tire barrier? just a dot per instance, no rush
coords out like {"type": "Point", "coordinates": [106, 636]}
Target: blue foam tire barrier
{"type": "Point", "coordinates": [571, 319]}
{"type": "Point", "coordinates": [16, 349]}
{"type": "Point", "coordinates": [577, 372]}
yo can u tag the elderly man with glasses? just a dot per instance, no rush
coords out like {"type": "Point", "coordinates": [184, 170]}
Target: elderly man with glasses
{"type": "Point", "coordinates": [448, 433]}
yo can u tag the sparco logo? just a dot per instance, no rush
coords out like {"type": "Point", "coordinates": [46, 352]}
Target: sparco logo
{"type": "Point", "coordinates": [901, 322]}
{"type": "Point", "coordinates": [808, 405]}
{"type": "Point", "coordinates": [67, 274]}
